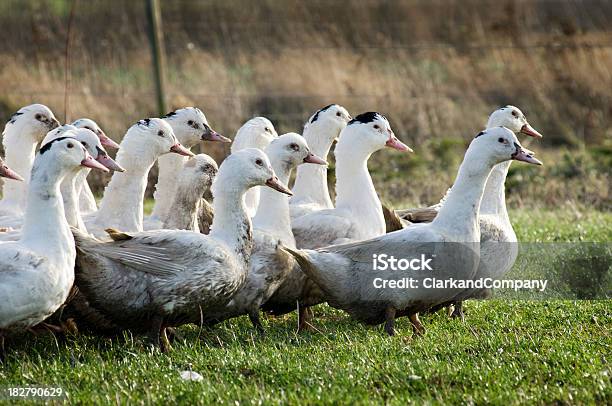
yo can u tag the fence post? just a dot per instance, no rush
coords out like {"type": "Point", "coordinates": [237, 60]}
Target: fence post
{"type": "Point", "coordinates": [156, 40]}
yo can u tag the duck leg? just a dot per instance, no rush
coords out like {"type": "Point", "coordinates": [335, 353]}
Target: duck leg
{"type": "Point", "coordinates": [173, 335]}
{"type": "Point", "coordinates": [165, 343]}
{"type": "Point", "coordinates": [390, 320]}
{"type": "Point", "coordinates": [458, 311]}
{"type": "Point", "coordinates": [417, 327]}
{"type": "Point", "coordinates": [304, 318]}
{"type": "Point", "coordinates": [254, 317]}
{"type": "Point", "coordinates": [155, 331]}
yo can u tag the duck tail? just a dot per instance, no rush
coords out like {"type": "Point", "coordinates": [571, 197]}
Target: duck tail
{"type": "Point", "coordinates": [419, 214]}
{"type": "Point", "coordinates": [393, 222]}
{"type": "Point", "coordinates": [301, 257]}
{"type": "Point", "coordinates": [308, 260]}
{"type": "Point", "coordinates": [82, 238]}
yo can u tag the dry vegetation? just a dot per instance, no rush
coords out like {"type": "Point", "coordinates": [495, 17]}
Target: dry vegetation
{"type": "Point", "coordinates": [435, 68]}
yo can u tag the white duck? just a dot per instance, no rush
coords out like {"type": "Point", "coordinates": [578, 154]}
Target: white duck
{"type": "Point", "coordinates": [69, 184]}
{"type": "Point", "coordinates": [87, 201]}
{"type": "Point", "coordinates": [358, 212]}
{"type": "Point", "coordinates": [122, 204]}
{"type": "Point", "coordinates": [74, 180]}
{"type": "Point", "coordinates": [499, 247]}
{"type": "Point", "coordinates": [310, 191]}
{"type": "Point", "coordinates": [258, 132]}
{"type": "Point", "coordinates": [272, 227]}
{"type": "Point", "coordinates": [22, 133]}
{"type": "Point", "coordinates": [38, 270]}
{"type": "Point", "coordinates": [513, 119]}
{"type": "Point", "coordinates": [191, 128]}
{"type": "Point", "coordinates": [192, 182]}
{"type": "Point", "coordinates": [156, 279]}
{"type": "Point", "coordinates": [449, 245]}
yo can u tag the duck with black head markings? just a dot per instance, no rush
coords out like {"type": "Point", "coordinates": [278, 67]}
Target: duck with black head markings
{"type": "Point", "coordinates": [191, 128]}
{"type": "Point", "coordinates": [122, 204]}
{"type": "Point", "coordinates": [358, 212]}
{"type": "Point", "coordinates": [310, 191]}
{"type": "Point", "coordinates": [152, 280]}
{"type": "Point", "coordinates": [37, 271]}
{"type": "Point", "coordinates": [350, 282]}
{"type": "Point", "coordinates": [22, 133]}
{"type": "Point", "coordinates": [69, 184]}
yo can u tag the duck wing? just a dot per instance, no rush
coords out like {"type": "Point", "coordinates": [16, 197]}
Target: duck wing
{"type": "Point", "coordinates": [321, 229]}
{"type": "Point", "coordinates": [162, 253]}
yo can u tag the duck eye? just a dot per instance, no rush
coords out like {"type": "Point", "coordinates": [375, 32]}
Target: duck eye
{"type": "Point", "coordinates": [338, 114]}
{"type": "Point", "coordinates": [295, 147]}
{"type": "Point", "coordinates": [160, 133]}
{"type": "Point", "coordinates": [501, 140]}
{"type": "Point", "coordinates": [376, 126]}
{"type": "Point", "coordinates": [267, 129]}
{"type": "Point", "coordinates": [70, 145]}
{"type": "Point", "coordinates": [88, 128]}
{"type": "Point", "coordinates": [259, 162]}
{"type": "Point", "coordinates": [514, 113]}
{"type": "Point", "coordinates": [38, 116]}
{"type": "Point", "coordinates": [190, 122]}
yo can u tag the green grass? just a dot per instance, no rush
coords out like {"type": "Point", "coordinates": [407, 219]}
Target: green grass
{"type": "Point", "coordinates": [507, 352]}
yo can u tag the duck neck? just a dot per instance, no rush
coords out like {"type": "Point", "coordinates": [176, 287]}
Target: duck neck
{"type": "Point", "coordinates": [494, 196]}
{"type": "Point", "coordinates": [183, 214]}
{"type": "Point", "coordinates": [273, 212]}
{"type": "Point", "coordinates": [355, 190]}
{"type": "Point", "coordinates": [19, 149]}
{"type": "Point", "coordinates": [311, 180]}
{"type": "Point", "coordinates": [169, 166]}
{"type": "Point", "coordinates": [70, 197]}
{"type": "Point", "coordinates": [122, 204]}
{"type": "Point", "coordinates": [232, 225]}
{"type": "Point", "coordinates": [45, 227]}
{"type": "Point", "coordinates": [459, 214]}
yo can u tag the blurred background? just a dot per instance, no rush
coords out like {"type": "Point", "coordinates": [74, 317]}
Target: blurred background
{"type": "Point", "coordinates": [435, 68]}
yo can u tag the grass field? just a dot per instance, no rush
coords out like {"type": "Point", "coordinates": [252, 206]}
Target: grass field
{"type": "Point", "coordinates": [504, 353]}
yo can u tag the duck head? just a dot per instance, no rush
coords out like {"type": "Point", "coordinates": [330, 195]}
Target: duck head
{"type": "Point", "coordinates": [513, 119]}
{"type": "Point", "coordinates": [199, 172]}
{"type": "Point", "coordinates": [191, 127]}
{"type": "Point", "coordinates": [154, 137]}
{"type": "Point", "coordinates": [368, 133]}
{"type": "Point", "coordinates": [69, 154]}
{"type": "Point", "coordinates": [95, 128]}
{"type": "Point", "coordinates": [245, 169]}
{"type": "Point", "coordinates": [499, 144]}
{"type": "Point", "coordinates": [331, 119]}
{"type": "Point", "coordinates": [258, 132]}
{"type": "Point", "coordinates": [93, 145]}
{"type": "Point", "coordinates": [291, 150]}
{"type": "Point", "coordinates": [34, 121]}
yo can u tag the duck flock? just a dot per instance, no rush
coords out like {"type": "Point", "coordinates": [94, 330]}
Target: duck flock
{"type": "Point", "coordinates": [257, 245]}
